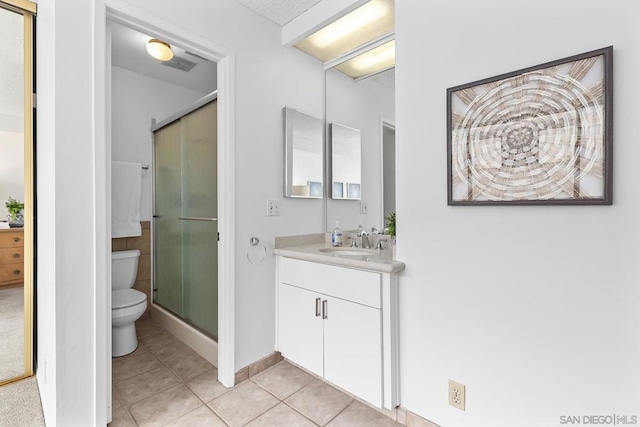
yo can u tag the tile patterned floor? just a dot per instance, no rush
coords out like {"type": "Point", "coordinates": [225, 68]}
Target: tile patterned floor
{"type": "Point", "coordinates": [165, 383]}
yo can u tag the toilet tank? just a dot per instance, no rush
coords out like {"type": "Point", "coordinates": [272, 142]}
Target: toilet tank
{"type": "Point", "coordinates": [124, 268]}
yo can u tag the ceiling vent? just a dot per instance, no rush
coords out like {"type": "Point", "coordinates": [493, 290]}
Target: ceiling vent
{"type": "Point", "coordinates": [180, 63]}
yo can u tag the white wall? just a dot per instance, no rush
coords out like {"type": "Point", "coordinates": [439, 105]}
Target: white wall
{"type": "Point", "coordinates": [360, 105]}
{"type": "Point", "coordinates": [535, 309]}
{"type": "Point", "coordinates": [136, 99]}
{"type": "Point", "coordinates": [67, 287]}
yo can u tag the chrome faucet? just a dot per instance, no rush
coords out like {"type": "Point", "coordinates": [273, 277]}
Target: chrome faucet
{"type": "Point", "coordinates": [365, 239]}
{"type": "Point", "coordinates": [379, 244]}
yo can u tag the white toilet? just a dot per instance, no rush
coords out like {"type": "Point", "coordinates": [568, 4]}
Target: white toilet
{"type": "Point", "coordinates": [127, 304]}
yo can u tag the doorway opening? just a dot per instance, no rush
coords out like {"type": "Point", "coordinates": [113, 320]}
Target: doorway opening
{"type": "Point", "coordinates": [120, 14]}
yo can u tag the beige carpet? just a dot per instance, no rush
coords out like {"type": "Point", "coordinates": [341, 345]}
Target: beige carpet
{"type": "Point", "coordinates": [11, 332]}
{"type": "Point", "coordinates": [20, 404]}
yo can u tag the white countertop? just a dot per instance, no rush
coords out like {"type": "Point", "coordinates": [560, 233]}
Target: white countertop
{"type": "Point", "coordinates": [381, 261]}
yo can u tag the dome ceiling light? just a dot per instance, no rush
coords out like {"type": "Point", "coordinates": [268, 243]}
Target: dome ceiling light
{"type": "Point", "coordinates": [159, 50]}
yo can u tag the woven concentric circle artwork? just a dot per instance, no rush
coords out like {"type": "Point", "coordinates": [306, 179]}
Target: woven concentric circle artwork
{"type": "Point", "coordinates": [540, 135]}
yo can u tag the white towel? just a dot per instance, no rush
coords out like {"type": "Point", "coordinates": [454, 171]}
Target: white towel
{"type": "Point", "coordinates": [126, 184]}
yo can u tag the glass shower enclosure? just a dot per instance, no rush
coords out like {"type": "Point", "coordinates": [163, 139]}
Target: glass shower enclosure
{"type": "Point", "coordinates": [185, 218]}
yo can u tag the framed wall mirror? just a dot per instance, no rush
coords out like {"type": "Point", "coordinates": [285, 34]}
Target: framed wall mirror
{"type": "Point", "coordinates": [16, 190]}
{"type": "Point", "coordinates": [361, 98]}
{"type": "Point", "coordinates": [303, 155]}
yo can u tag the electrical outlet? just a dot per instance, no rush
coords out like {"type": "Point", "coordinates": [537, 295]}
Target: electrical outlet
{"type": "Point", "coordinates": [457, 395]}
{"type": "Point", "coordinates": [363, 208]}
{"type": "Point", "coordinates": [273, 207]}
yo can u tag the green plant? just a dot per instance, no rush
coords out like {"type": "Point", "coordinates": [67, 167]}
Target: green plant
{"type": "Point", "coordinates": [14, 207]}
{"type": "Point", "coordinates": [390, 224]}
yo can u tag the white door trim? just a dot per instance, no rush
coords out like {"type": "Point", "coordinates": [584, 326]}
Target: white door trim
{"type": "Point", "coordinates": [123, 13]}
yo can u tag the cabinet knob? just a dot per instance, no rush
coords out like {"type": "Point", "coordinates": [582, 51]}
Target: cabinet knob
{"type": "Point", "coordinates": [16, 239]}
{"type": "Point", "coordinates": [325, 312]}
{"type": "Point", "coordinates": [317, 307]}
{"type": "Point", "coordinates": [16, 255]}
{"type": "Point", "coordinates": [16, 271]}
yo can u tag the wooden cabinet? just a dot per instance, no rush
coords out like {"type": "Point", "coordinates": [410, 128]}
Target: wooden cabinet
{"type": "Point", "coordinates": [11, 257]}
{"type": "Point", "coordinates": [330, 320]}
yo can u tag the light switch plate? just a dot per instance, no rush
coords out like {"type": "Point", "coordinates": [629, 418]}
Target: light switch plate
{"type": "Point", "coordinates": [273, 207]}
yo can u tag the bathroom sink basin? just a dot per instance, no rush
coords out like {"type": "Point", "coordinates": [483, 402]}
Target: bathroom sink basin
{"type": "Point", "coordinates": [348, 252]}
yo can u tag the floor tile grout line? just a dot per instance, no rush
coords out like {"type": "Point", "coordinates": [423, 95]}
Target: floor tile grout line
{"type": "Point", "coordinates": [298, 411]}
{"type": "Point", "coordinates": [169, 368]}
{"type": "Point", "coordinates": [216, 414]}
{"type": "Point", "coordinates": [173, 371]}
{"type": "Point", "coordinates": [141, 372]}
{"type": "Point", "coordinates": [219, 415]}
{"type": "Point", "coordinates": [267, 390]}
{"type": "Point", "coordinates": [154, 393]}
{"type": "Point", "coordinates": [287, 397]}
{"type": "Point", "coordinates": [343, 409]}
{"type": "Point", "coordinates": [261, 414]}
{"type": "Point", "coordinates": [181, 381]}
{"type": "Point", "coordinates": [126, 408]}
{"type": "Point", "coordinates": [227, 390]}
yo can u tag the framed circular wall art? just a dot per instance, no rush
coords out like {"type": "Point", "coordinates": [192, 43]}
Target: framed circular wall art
{"type": "Point", "coordinates": [542, 135]}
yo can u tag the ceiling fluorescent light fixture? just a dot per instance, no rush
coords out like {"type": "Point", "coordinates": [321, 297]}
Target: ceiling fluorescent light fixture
{"type": "Point", "coordinates": [371, 62]}
{"type": "Point", "coordinates": [159, 50]}
{"type": "Point", "coordinates": [369, 22]}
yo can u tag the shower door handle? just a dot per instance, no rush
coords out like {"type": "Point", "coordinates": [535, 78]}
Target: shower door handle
{"type": "Point", "coordinates": [196, 218]}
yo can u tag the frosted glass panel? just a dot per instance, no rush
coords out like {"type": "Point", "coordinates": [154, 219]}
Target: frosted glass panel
{"type": "Point", "coordinates": [168, 207]}
{"type": "Point", "coordinates": [200, 200]}
{"type": "Point", "coordinates": [199, 163]}
{"type": "Point", "coordinates": [186, 243]}
{"type": "Point", "coordinates": [200, 275]}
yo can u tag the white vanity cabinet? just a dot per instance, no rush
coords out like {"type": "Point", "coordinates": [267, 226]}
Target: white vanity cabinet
{"type": "Point", "coordinates": [340, 324]}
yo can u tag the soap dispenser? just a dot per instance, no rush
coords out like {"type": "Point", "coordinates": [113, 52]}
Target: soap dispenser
{"type": "Point", "coordinates": [336, 236]}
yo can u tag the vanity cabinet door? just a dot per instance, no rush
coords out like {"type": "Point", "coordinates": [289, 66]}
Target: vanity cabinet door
{"type": "Point", "coordinates": [353, 348]}
{"type": "Point", "coordinates": [299, 329]}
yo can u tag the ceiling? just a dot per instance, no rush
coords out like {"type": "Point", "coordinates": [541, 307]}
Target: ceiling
{"type": "Point", "coordinates": [128, 49]}
{"type": "Point", "coordinates": [279, 11]}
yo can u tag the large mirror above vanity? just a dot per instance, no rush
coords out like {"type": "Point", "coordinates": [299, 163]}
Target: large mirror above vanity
{"type": "Point", "coordinates": [360, 110]}
{"type": "Point", "coordinates": [355, 170]}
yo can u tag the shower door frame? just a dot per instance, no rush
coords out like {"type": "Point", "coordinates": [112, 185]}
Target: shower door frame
{"type": "Point", "coordinates": [123, 13]}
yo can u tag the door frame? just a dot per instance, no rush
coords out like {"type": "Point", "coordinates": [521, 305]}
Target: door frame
{"type": "Point", "coordinates": [123, 13]}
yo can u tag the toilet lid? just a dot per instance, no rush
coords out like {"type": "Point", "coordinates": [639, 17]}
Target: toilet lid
{"type": "Point", "coordinates": [126, 298]}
